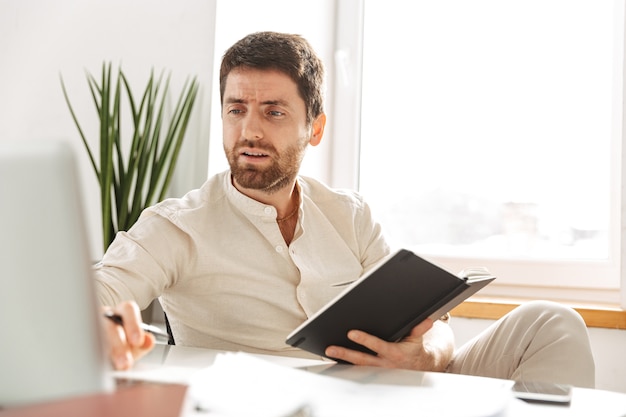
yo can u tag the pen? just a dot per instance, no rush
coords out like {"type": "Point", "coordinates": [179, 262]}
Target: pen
{"type": "Point", "coordinates": [117, 319]}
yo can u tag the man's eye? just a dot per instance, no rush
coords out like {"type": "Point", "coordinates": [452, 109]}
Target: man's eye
{"type": "Point", "coordinates": [275, 113]}
{"type": "Point", "coordinates": [235, 111]}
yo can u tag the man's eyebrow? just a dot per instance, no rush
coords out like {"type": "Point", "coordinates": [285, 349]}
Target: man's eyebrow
{"type": "Point", "coordinates": [233, 100]}
{"type": "Point", "coordinates": [275, 103]}
{"type": "Point", "coordinates": [278, 102]}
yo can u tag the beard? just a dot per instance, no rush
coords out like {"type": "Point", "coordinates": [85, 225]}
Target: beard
{"type": "Point", "coordinates": [282, 171]}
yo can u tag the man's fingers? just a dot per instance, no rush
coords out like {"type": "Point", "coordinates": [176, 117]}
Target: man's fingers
{"type": "Point", "coordinates": [373, 343]}
{"type": "Point", "coordinates": [119, 351]}
{"type": "Point", "coordinates": [131, 316]}
{"type": "Point", "coordinates": [388, 354]}
{"type": "Point", "coordinates": [351, 356]}
{"type": "Point", "coordinates": [148, 343]}
{"type": "Point", "coordinates": [126, 342]}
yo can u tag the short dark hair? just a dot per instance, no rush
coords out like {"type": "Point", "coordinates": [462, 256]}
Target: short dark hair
{"type": "Point", "coordinates": [287, 53]}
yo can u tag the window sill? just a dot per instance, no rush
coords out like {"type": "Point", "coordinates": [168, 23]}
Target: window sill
{"type": "Point", "coordinates": [492, 308]}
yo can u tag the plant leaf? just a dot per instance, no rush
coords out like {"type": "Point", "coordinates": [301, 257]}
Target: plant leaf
{"type": "Point", "coordinates": [135, 172]}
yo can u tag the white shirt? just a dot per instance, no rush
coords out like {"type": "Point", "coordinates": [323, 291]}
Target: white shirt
{"type": "Point", "coordinates": [223, 273]}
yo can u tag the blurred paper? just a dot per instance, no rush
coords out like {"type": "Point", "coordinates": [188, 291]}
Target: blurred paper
{"type": "Point", "coordinates": [238, 384]}
{"type": "Point", "coordinates": [177, 364]}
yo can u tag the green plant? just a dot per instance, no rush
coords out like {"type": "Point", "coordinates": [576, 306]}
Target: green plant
{"type": "Point", "coordinates": [134, 178]}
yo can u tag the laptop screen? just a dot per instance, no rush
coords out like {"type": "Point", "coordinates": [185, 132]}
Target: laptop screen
{"type": "Point", "coordinates": [50, 334]}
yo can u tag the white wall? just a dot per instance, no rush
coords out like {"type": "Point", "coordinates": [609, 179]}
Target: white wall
{"type": "Point", "coordinates": [41, 40]}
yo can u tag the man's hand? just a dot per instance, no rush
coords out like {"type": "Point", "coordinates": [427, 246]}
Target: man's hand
{"type": "Point", "coordinates": [429, 347]}
{"type": "Point", "coordinates": [129, 342]}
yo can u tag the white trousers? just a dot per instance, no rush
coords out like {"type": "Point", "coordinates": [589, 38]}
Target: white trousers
{"type": "Point", "coordinates": [537, 341]}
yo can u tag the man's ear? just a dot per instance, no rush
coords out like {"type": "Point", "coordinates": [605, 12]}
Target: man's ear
{"type": "Point", "coordinates": [317, 129]}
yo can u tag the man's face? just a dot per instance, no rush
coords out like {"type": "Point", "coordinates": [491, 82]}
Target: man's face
{"type": "Point", "coordinates": [264, 127]}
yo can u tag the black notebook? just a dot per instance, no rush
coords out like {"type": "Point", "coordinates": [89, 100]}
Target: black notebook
{"type": "Point", "coordinates": [388, 302]}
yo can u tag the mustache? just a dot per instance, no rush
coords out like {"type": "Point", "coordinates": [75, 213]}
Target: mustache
{"type": "Point", "coordinates": [247, 143]}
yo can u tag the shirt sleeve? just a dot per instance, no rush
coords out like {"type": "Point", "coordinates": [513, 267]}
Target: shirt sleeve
{"type": "Point", "coordinates": [372, 242]}
{"type": "Point", "coordinates": [142, 262]}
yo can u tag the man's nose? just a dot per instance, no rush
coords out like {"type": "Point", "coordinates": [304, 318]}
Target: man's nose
{"type": "Point", "coordinates": [252, 129]}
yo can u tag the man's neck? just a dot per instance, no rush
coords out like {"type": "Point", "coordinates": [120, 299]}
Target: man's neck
{"type": "Point", "coordinates": [283, 200]}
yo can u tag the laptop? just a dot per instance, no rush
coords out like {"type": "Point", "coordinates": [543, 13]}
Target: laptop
{"type": "Point", "coordinates": [50, 333]}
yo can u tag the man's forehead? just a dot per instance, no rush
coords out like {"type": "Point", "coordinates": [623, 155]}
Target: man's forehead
{"type": "Point", "coordinates": [262, 85]}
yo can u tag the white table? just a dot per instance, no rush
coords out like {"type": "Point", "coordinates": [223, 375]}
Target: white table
{"type": "Point", "coordinates": [178, 364]}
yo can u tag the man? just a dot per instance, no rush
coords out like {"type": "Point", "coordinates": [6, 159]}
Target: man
{"type": "Point", "coordinates": [242, 261]}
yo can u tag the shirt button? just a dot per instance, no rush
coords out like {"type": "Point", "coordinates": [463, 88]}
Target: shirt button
{"type": "Point", "coordinates": [268, 210]}
{"type": "Point", "coordinates": [279, 249]}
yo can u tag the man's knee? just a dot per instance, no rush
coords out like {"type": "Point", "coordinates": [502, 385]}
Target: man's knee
{"type": "Point", "coordinates": [549, 311]}
{"type": "Point", "coordinates": [560, 338]}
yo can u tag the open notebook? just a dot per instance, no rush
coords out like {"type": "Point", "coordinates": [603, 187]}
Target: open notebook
{"type": "Point", "coordinates": [387, 302]}
{"type": "Point", "coordinates": [50, 343]}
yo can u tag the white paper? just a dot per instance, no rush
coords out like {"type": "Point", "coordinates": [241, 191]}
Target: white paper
{"type": "Point", "coordinates": [238, 384]}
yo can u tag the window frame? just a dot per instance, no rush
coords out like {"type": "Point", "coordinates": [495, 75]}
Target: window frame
{"type": "Point", "coordinates": [524, 278]}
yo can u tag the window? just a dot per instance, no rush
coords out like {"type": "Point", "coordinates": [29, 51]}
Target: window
{"type": "Point", "coordinates": [491, 134]}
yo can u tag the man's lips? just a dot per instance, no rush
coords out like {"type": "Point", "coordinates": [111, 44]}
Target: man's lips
{"type": "Point", "coordinates": [253, 154]}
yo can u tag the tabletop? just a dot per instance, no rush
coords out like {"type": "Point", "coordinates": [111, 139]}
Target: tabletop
{"type": "Point", "coordinates": [160, 385]}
